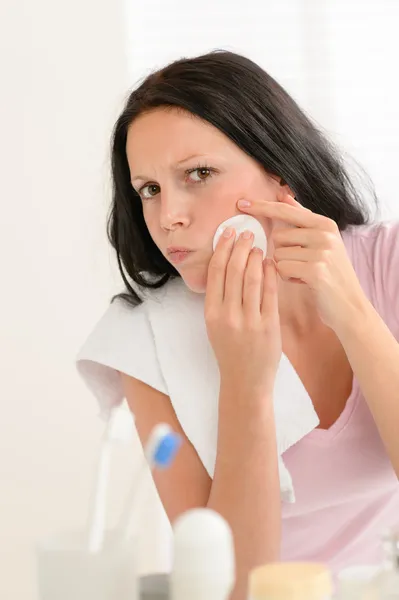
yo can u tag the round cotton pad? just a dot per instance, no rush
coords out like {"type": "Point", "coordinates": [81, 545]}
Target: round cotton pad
{"type": "Point", "coordinates": [240, 224]}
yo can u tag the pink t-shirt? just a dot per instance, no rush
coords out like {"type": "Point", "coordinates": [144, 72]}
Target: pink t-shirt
{"type": "Point", "coordinates": [346, 490]}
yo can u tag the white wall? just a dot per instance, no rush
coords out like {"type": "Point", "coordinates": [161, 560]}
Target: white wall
{"type": "Point", "coordinates": [66, 69]}
{"type": "Point", "coordinates": [64, 81]}
{"type": "Point", "coordinates": [337, 58]}
{"type": "Point", "coordinates": [364, 48]}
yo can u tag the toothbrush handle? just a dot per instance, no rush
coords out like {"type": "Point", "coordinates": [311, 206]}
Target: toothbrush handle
{"type": "Point", "coordinates": [99, 501]}
{"type": "Point", "coordinates": [135, 491]}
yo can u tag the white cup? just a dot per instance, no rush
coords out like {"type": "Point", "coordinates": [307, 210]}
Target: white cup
{"type": "Point", "coordinates": [353, 582]}
{"type": "Point", "coordinates": [67, 571]}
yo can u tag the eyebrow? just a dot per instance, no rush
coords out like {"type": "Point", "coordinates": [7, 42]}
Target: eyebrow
{"type": "Point", "coordinates": [176, 165]}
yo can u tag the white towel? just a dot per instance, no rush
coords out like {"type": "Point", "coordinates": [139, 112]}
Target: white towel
{"type": "Point", "coordinates": [164, 343]}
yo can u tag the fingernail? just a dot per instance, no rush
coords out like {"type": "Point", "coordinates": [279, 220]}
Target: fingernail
{"type": "Point", "coordinates": [228, 232]}
{"type": "Point", "coordinates": [247, 235]}
{"type": "Point", "coordinates": [244, 203]}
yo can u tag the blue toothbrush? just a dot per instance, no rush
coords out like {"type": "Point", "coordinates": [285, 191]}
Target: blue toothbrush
{"type": "Point", "coordinates": [159, 453]}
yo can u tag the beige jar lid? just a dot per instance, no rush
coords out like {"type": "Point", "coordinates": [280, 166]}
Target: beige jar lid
{"type": "Point", "coordinates": [290, 581]}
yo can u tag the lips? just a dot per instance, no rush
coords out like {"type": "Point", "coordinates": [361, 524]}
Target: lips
{"type": "Point", "coordinates": [171, 249]}
{"type": "Point", "coordinates": [178, 256]}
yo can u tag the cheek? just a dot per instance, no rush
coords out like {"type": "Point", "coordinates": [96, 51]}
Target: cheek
{"type": "Point", "coordinates": [252, 184]}
{"type": "Point", "coordinates": [152, 224]}
{"type": "Point", "coordinates": [148, 219]}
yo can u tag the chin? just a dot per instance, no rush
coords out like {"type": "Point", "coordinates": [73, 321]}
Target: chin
{"type": "Point", "coordinates": [196, 284]}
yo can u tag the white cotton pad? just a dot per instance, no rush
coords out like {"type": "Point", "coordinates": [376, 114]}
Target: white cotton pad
{"type": "Point", "coordinates": [240, 224]}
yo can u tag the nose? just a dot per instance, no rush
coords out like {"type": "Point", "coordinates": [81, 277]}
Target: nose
{"type": "Point", "coordinates": [175, 212]}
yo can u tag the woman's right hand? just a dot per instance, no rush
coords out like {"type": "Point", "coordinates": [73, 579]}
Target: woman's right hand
{"type": "Point", "coordinates": [241, 314]}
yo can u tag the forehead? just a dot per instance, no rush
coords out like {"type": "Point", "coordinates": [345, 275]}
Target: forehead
{"type": "Point", "coordinates": [173, 134]}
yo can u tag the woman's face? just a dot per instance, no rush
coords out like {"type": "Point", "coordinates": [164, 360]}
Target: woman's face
{"type": "Point", "coordinates": [189, 176]}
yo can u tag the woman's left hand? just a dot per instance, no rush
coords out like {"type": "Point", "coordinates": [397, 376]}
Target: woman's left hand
{"type": "Point", "coordinates": [313, 253]}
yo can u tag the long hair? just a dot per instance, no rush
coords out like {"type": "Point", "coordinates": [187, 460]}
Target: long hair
{"type": "Point", "coordinates": [238, 97]}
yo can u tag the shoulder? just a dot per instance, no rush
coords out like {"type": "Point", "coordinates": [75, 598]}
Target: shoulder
{"type": "Point", "coordinates": [375, 245]}
{"type": "Point", "coordinates": [120, 342]}
{"type": "Point", "coordinates": [115, 325]}
{"type": "Point", "coordinates": [125, 322]}
{"type": "Point", "coordinates": [374, 251]}
{"type": "Point", "coordinates": [371, 233]}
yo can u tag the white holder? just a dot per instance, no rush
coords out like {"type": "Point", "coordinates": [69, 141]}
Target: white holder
{"type": "Point", "coordinates": [68, 571]}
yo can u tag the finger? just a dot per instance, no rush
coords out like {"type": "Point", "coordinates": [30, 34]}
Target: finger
{"type": "Point", "coordinates": [296, 236]}
{"type": "Point", "coordinates": [328, 225]}
{"type": "Point", "coordinates": [269, 296]}
{"type": "Point", "coordinates": [285, 212]}
{"type": "Point", "coordinates": [285, 197]}
{"type": "Point", "coordinates": [235, 271]}
{"type": "Point", "coordinates": [253, 283]}
{"type": "Point", "coordinates": [215, 285]}
{"type": "Point", "coordinates": [288, 199]}
{"type": "Point", "coordinates": [294, 270]}
{"type": "Point", "coordinates": [296, 253]}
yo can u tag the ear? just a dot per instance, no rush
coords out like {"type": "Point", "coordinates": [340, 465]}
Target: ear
{"type": "Point", "coordinates": [282, 186]}
{"type": "Point", "coordinates": [285, 188]}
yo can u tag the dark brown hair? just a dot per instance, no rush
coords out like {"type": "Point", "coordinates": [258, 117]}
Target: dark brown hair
{"type": "Point", "coordinates": [239, 98]}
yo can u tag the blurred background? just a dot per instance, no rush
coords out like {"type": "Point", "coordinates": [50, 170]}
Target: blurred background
{"type": "Point", "coordinates": [66, 69]}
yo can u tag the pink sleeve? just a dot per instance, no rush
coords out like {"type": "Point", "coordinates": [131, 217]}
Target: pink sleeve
{"type": "Point", "coordinates": [386, 271]}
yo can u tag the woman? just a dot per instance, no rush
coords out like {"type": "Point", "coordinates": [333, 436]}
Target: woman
{"type": "Point", "coordinates": [194, 139]}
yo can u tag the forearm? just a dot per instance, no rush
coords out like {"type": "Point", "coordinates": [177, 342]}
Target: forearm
{"type": "Point", "coordinates": [246, 489]}
{"type": "Point", "coordinates": [373, 353]}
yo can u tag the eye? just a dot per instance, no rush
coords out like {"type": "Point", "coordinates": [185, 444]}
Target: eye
{"type": "Point", "coordinates": [202, 172]}
{"type": "Point", "coordinates": [153, 190]}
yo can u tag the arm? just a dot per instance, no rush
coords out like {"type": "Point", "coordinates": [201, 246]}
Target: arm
{"type": "Point", "coordinates": [313, 252]}
{"type": "Point", "coordinates": [245, 489]}
{"type": "Point", "coordinates": [373, 353]}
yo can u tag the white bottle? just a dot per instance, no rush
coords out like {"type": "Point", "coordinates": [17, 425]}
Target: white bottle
{"type": "Point", "coordinates": [204, 567]}
{"type": "Point", "coordinates": [353, 582]}
{"type": "Point", "coordinates": [385, 586]}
